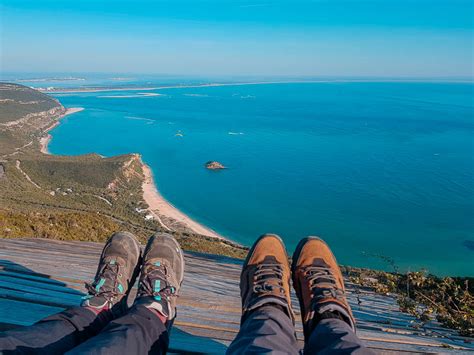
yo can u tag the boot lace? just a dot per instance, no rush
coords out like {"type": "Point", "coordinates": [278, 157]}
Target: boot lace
{"type": "Point", "coordinates": [100, 287]}
{"type": "Point", "coordinates": [322, 283]}
{"type": "Point", "coordinates": [147, 283]}
{"type": "Point", "coordinates": [266, 272]}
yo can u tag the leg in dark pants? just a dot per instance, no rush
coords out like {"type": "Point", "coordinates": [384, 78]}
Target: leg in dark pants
{"type": "Point", "coordinates": [334, 336]}
{"type": "Point", "coordinates": [145, 327]}
{"type": "Point", "coordinates": [55, 334]}
{"type": "Point", "coordinates": [107, 295]}
{"type": "Point", "coordinates": [267, 329]}
{"type": "Point", "coordinates": [140, 331]}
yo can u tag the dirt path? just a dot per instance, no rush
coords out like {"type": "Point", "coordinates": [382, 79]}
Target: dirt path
{"type": "Point", "coordinates": [26, 175]}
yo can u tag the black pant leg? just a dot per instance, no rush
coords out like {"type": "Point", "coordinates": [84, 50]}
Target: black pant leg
{"type": "Point", "coordinates": [55, 334]}
{"type": "Point", "coordinates": [140, 331]}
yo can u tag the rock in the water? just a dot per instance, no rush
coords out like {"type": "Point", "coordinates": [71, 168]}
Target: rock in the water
{"type": "Point", "coordinates": [214, 165]}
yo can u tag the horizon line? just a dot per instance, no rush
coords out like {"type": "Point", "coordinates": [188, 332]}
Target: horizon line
{"type": "Point", "coordinates": [68, 74]}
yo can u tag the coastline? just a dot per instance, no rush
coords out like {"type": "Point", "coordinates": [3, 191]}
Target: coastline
{"type": "Point", "coordinates": [58, 90]}
{"type": "Point", "coordinates": [158, 205]}
{"type": "Point", "coordinates": [149, 88]}
{"type": "Point", "coordinates": [44, 141]}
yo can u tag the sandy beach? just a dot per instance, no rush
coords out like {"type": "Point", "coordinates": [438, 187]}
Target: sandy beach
{"type": "Point", "coordinates": [159, 206]}
{"type": "Point", "coordinates": [44, 141]}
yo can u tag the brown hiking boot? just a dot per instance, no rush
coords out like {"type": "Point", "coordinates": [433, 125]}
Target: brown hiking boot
{"type": "Point", "coordinates": [319, 285]}
{"type": "Point", "coordinates": [265, 277]}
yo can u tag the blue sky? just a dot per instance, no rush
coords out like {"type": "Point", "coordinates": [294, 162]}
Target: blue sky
{"type": "Point", "coordinates": [381, 38]}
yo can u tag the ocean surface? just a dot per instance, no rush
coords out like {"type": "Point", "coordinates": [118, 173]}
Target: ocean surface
{"type": "Point", "coordinates": [384, 172]}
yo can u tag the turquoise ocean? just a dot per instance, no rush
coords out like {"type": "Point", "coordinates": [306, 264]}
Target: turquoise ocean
{"type": "Point", "coordinates": [378, 169]}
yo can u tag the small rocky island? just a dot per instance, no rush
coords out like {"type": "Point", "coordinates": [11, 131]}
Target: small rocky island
{"type": "Point", "coordinates": [214, 165]}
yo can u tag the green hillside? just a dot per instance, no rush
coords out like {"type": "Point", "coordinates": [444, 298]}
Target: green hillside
{"type": "Point", "coordinates": [17, 101]}
{"type": "Point", "coordinates": [70, 197]}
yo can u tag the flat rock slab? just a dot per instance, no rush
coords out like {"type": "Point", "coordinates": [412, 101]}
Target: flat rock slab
{"type": "Point", "coordinates": [39, 277]}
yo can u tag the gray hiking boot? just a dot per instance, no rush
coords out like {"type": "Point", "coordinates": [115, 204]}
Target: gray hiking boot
{"type": "Point", "coordinates": [161, 275]}
{"type": "Point", "coordinates": [117, 271]}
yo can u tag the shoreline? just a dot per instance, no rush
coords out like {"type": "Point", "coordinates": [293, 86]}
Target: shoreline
{"type": "Point", "coordinates": [158, 205]}
{"type": "Point", "coordinates": [217, 84]}
{"type": "Point", "coordinates": [44, 141]}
